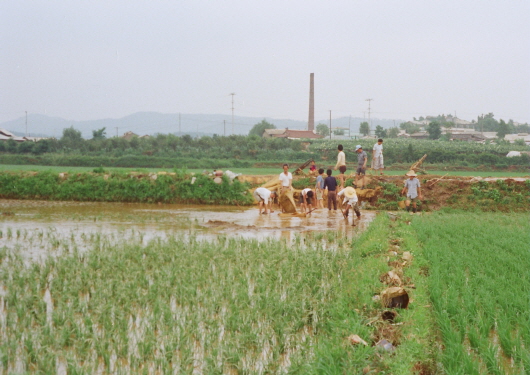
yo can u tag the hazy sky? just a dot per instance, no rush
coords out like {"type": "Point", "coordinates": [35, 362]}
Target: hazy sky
{"type": "Point", "coordinates": [86, 60]}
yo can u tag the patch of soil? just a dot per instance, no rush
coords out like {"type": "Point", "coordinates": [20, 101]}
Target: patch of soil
{"type": "Point", "coordinates": [226, 224]}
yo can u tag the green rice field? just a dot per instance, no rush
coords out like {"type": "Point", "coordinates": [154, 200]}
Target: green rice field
{"type": "Point", "coordinates": [184, 306]}
{"type": "Point", "coordinates": [109, 303]}
{"type": "Point", "coordinates": [479, 284]}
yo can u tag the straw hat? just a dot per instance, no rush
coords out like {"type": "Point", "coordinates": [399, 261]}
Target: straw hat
{"type": "Point", "coordinates": [349, 192]}
{"type": "Point", "coordinates": [358, 147]}
{"type": "Point", "coordinates": [411, 173]}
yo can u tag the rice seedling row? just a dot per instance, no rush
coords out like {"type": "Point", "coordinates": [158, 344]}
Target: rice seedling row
{"type": "Point", "coordinates": [180, 305]}
{"type": "Point", "coordinates": [479, 287]}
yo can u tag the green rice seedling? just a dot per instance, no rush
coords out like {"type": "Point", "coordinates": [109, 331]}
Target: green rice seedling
{"type": "Point", "coordinates": [477, 279]}
{"type": "Point", "coordinates": [9, 233]}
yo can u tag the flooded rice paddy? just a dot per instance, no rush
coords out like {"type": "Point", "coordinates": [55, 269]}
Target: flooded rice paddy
{"type": "Point", "coordinates": [39, 228]}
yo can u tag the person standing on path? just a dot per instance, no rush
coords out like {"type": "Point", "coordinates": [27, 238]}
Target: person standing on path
{"type": "Point", "coordinates": [265, 197]}
{"type": "Point", "coordinates": [286, 178]}
{"type": "Point", "coordinates": [361, 166]}
{"type": "Point", "coordinates": [341, 160]}
{"type": "Point", "coordinates": [377, 157]}
{"type": "Point", "coordinates": [351, 200]}
{"type": "Point", "coordinates": [319, 188]}
{"type": "Point", "coordinates": [413, 189]}
{"type": "Point", "coordinates": [331, 184]}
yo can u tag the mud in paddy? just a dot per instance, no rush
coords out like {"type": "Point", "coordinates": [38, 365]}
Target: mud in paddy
{"type": "Point", "coordinates": [38, 228]}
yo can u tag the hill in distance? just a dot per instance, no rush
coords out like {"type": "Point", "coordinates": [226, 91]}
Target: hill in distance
{"type": "Point", "coordinates": [152, 123]}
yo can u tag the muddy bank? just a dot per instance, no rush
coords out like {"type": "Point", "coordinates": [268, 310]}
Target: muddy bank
{"type": "Point", "coordinates": [488, 194]}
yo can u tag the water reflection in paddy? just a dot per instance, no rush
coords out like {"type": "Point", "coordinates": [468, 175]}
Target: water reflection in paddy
{"type": "Point", "coordinates": [40, 227]}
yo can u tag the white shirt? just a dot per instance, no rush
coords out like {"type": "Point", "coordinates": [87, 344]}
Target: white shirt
{"type": "Point", "coordinates": [305, 191]}
{"type": "Point", "coordinates": [341, 159]}
{"type": "Point", "coordinates": [378, 149]}
{"type": "Point", "coordinates": [263, 193]}
{"type": "Point", "coordinates": [285, 178]}
{"type": "Point", "coordinates": [350, 201]}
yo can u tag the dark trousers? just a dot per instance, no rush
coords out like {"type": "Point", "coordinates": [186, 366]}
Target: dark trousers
{"type": "Point", "coordinates": [332, 197]}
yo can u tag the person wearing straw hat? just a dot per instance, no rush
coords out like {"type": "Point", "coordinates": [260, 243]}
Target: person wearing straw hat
{"type": "Point", "coordinates": [350, 199]}
{"type": "Point", "coordinates": [413, 189]}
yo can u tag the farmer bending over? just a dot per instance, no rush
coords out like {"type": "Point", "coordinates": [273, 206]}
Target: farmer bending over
{"type": "Point", "coordinates": [350, 199]}
{"type": "Point", "coordinates": [306, 197]}
{"type": "Point", "coordinates": [265, 197]}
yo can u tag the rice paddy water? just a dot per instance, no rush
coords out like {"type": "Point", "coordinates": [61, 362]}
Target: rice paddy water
{"type": "Point", "coordinates": [124, 288]}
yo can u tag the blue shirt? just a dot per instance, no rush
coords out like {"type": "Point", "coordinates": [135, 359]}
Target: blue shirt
{"type": "Point", "coordinates": [331, 183]}
{"type": "Point", "coordinates": [320, 182]}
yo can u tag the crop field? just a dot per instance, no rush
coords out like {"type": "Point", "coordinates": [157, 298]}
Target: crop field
{"type": "Point", "coordinates": [479, 285]}
{"type": "Point", "coordinates": [116, 302]}
{"type": "Point", "coordinates": [184, 306]}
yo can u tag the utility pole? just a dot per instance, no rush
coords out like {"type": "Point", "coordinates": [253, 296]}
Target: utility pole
{"type": "Point", "coordinates": [369, 121]}
{"type": "Point", "coordinates": [330, 124]}
{"type": "Point", "coordinates": [26, 123]}
{"type": "Point", "coordinates": [232, 112]}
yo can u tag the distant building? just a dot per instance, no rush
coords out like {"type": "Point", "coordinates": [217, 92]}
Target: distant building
{"type": "Point", "coordinates": [290, 133]}
{"type": "Point", "coordinates": [6, 135]}
{"type": "Point", "coordinates": [420, 135]}
{"type": "Point", "coordinates": [130, 135]}
{"type": "Point", "coordinates": [513, 137]}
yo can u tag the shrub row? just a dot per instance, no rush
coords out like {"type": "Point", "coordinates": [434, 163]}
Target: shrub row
{"type": "Point", "coordinates": [121, 187]}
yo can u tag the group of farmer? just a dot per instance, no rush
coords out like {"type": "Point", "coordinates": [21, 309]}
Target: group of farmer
{"type": "Point", "coordinates": [335, 186]}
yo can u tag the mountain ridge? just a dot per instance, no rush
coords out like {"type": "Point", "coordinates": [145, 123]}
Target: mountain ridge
{"type": "Point", "coordinates": [150, 123]}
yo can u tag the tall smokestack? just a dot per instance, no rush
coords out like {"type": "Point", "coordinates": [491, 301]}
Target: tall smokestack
{"type": "Point", "coordinates": [311, 121]}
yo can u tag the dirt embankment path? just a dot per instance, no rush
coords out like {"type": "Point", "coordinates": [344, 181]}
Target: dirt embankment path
{"type": "Point", "coordinates": [488, 193]}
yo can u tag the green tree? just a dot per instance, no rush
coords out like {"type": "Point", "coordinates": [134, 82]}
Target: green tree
{"type": "Point", "coordinates": [364, 129]}
{"type": "Point", "coordinates": [503, 129]}
{"type": "Point", "coordinates": [12, 146]}
{"type": "Point", "coordinates": [260, 127]}
{"type": "Point", "coordinates": [434, 129]}
{"type": "Point", "coordinates": [41, 147]}
{"type": "Point", "coordinates": [322, 129]}
{"type": "Point", "coordinates": [393, 132]}
{"type": "Point", "coordinates": [409, 128]}
{"type": "Point", "coordinates": [338, 131]}
{"type": "Point", "coordinates": [71, 139]}
{"type": "Point", "coordinates": [26, 147]}
{"type": "Point", "coordinates": [380, 132]}
{"type": "Point", "coordinates": [99, 134]}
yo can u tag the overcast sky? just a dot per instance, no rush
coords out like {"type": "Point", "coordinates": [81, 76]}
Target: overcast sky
{"type": "Point", "coordinates": [84, 60]}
